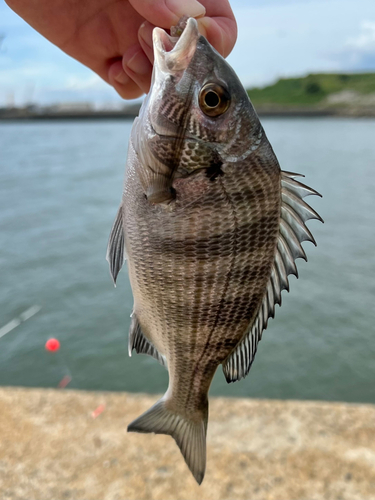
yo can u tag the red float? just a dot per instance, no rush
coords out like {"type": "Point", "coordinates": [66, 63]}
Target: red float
{"type": "Point", "coordinates": [52, 345]}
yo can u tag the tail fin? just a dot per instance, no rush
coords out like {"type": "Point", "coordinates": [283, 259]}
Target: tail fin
{"type": "Point", "coordinates": [190, 435]}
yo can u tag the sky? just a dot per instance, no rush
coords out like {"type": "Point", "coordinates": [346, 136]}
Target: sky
{"type": "Point", "coordinates": [276, 38]}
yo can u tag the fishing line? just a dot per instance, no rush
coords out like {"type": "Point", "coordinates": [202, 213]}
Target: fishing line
{"type": "Point", "coordinates": [14, 323]}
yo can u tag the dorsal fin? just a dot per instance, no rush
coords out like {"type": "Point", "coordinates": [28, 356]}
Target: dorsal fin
{"type": "Point", "coordinates": [116, 246]}
{"type": "Point", "coordinates": [141, 344]}
{"type": "Point", "coordinates": [292, 232]}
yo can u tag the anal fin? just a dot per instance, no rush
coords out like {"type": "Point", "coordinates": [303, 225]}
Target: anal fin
{"type": "Point", "coordinates": [141, 344]}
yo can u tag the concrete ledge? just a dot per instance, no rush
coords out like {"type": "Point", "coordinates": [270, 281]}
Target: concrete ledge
{"type": "Point", "coordinates": [52, 448]}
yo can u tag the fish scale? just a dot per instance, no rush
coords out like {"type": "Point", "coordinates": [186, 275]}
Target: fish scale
{"type": "Point", "coordinates": [211, 228]}
{"type": "Point", "coordinates": [196, 280]}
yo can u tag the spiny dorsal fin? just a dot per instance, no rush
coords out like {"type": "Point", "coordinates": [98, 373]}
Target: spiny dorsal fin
{"type": "Point", "coordinates": [292, 232]}
{"type": "Point", "coordinates": [116, 248]}
{"type": "Point", "coordinates": [138, 341]}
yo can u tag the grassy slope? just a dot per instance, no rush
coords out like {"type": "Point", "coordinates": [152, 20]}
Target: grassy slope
{"type": "Point", "coordinates": [311, 89]}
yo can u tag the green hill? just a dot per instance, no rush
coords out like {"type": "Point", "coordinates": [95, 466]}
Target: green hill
{"type": "Point", "coordinates": [312, 89]}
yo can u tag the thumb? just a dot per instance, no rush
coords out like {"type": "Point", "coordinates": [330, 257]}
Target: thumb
{"type": "Point", "coordinates": [167, 13]}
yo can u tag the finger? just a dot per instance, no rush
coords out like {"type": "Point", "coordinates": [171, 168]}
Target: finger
{"type": "Point", "coordinates": [218, 26]}
{"type": "Point", "coordinates": [138, 67]}
{"type": "Point", "coordinates": [221, 32]}
{"type": "Point", "coordinates": [123, 84]}
{"type": "Point", "coordinates": [145, 39]}
{"type": "Point", "coordinates": [166, 13]}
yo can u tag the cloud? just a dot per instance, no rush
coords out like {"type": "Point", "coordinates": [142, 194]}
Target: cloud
{"type": "Point", "coordinates": [359, 51]}
{"type": "Point", "coordinates": [289, 38]}
{"type": "Point", "coordinates": [88, 82]}
{"type": "Point", "coordinates": [277, 38]}
{"type": "Point", "coordinates": [366, 39]}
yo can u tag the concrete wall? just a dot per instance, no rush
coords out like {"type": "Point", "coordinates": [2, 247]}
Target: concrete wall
{"type": "Point", "coordinates": [51, 448]}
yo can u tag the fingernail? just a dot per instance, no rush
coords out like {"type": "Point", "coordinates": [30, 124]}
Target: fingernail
{"type": "Point", "coordinates": [122, 78]}
{"type": "Point", "coordinates": [118, 73]}
{"type": "Point", "coordinates": [139, 63]}
{"type": "Point", "coordinates": [203, 25]}
{"type": "Point", "coordinates": [190, 8]}
{"type": "Point", "coordinates": [145, 32]}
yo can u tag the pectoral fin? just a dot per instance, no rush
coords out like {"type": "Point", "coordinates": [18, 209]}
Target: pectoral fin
{"type": "Point", "coordinates": [116, 246]}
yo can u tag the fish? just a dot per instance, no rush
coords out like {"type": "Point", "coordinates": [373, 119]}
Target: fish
{"type": "Point", "coordinates": [210, 228]}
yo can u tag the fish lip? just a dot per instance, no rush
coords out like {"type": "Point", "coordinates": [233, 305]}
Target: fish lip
{"type": "Point", "coordinates": [183, 48]}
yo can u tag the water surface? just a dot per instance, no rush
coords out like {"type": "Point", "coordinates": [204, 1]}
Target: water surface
{"type": "Point", "coordinates": [60, 186]}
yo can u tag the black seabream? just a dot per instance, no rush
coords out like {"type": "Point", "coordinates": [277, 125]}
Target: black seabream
{"type": "Point", "coordinates": [210, 227]}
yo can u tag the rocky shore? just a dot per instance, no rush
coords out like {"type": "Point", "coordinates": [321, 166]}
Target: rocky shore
{"type": "Point", "coordinates": [63, 444]}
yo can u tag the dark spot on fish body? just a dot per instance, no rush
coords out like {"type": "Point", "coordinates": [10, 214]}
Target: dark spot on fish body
{"type": "Point", "coordinates": [214, 171]}
{"type": "Point", "coordinates": [215, 168]}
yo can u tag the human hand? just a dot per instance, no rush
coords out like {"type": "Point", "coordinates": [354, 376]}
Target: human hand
{"type": "Point", "coordinates": [114, 37]}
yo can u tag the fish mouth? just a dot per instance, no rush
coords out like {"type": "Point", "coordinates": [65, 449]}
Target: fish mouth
{"type": "Point", "coordinates": [173, 54]}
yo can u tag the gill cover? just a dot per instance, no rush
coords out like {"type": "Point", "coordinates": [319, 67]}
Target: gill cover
{"type": "Point", "coordinates": [172, 57]}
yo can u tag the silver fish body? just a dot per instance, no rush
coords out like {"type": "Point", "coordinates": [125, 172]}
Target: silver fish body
{"type": "Point", "coordinates": [211, 228]}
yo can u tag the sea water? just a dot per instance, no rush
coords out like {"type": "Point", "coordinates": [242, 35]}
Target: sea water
{"type": "Point", "coordinates": [60, 187]}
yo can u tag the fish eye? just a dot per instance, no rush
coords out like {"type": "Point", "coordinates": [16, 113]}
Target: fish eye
{"type": "Point", "coordinates": [214, 99]}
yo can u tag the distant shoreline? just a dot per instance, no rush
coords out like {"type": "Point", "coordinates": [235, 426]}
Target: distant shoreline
{"type": "Point", "coordinates": [22, 115]}
{"type": "Point", "coordinates": [18, 114]}
{"type": "Point", "coordinates": [318, 95]}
